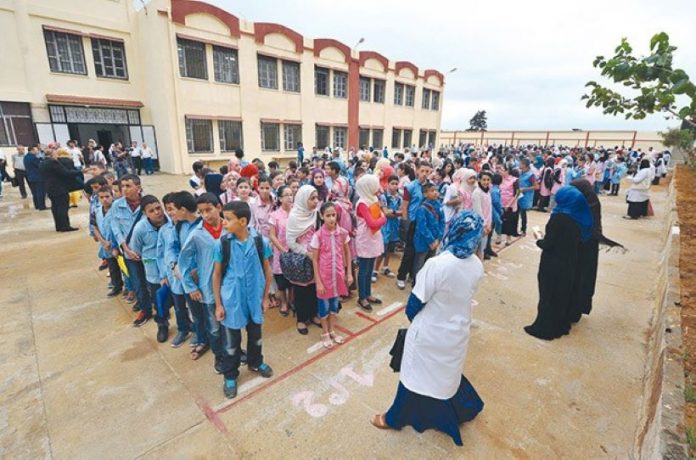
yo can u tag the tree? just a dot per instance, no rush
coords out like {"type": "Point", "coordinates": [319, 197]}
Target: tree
{"type": "Point", "coordinates": [682, 140]}
{"type": "Point", "coordinates": [656, 84]}
{"type": "Point", "coordinates": [478, 122]}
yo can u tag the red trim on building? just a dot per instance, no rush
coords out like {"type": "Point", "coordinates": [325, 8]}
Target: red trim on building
{"type": "Point", "coordinates": [365, 55]}
{"type": "Point", "coordinates": [406, 65]}
{"type": "Point", "coordinates": [261, 29]}
{"type": "Point", "coordinates": [322, 43]}
{"type": "Point", "coordinates": [97, 101]}
{"type": "Point", "coordinates": [353, 102]}
{"type": "Point", "coordinates": [182, 8]}
{"type": "Point", "coordinates": [433, 72]}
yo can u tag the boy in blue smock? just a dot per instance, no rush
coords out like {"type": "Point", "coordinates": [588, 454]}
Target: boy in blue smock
{"type": "Point", "coordinates": [241, 283]}
{"type": "Point", "coordinates": [528, 184]}
{"type": "Point", "coordinates": [144, 245]}
{"type": "Point", "coordinates": [196, 262]}
{"type": "Point", "coordinates": [430, 227]}
{"type": "Point", "coordinates": [167, 258]}
{"type": "Point", "coordinates": [390, 202]}
{"type": "Point", "coordinates": [617, 174]}
{"type": "Point", "coordinates": [102, 232]}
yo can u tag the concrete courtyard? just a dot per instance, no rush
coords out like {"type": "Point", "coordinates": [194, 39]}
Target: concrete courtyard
{"type": "Point", "coordinates": [78, 381]}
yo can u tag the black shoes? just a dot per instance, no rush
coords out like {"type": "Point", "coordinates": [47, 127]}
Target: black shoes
{"type": "Point", "coordinates": [69, 229]}
{"type": "Point", "coordinates": [114, 292]}
{"type": "Point", "coordinates": [162, 332]}
{"type": "Point", "coordinates": [141, 319]}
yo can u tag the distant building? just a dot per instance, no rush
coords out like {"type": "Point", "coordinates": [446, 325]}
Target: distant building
{"type": "Point", "coordinates": [195, 82]}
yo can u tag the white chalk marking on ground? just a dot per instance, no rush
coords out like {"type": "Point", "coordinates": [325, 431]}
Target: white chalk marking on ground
{"type": "Point", "coordinates": [314, 348]}
{"type": "Point", "coordinates": [542, 382]}
{"type": "Point", "coordinates": [474, 302]}
{"type": "Point", "coordinates": [388, 309]}
{"type": "Point", "coordinates": [305, 398]}
{"type": "Point", "coordinates": [675, 230]}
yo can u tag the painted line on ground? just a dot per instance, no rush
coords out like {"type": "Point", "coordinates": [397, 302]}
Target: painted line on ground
{"type": "Point", "coordinates": [212, 415]}
{"type": "Point", "coordinates": [389, 309]}
{"type": "Point", "coordinates": [224, 407]}
{"type": "Point", "coordinates": [343, 330]}
{"type": "Point", "coordinates": [367, 317]}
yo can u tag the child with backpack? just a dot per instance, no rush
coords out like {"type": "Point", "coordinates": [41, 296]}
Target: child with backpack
{"type": "Point", "coordinates": [332, 267]}
{"type": "Point", "coordinates": [241, 283]}
{"type": "Point", "coordinates": [430, 227]}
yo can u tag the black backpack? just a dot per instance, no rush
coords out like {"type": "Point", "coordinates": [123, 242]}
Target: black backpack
{"type": "Point", "coordinates": [548, 178]}
{"type": "Point", "coordinates": [227, 252]}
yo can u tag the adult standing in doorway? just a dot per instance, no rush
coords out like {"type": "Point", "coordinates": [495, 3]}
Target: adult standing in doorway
{"type": "Point", "coordinates": [58, 180]}
{"type": "Point", "coordinates": [136, 158]}
{"type": "Point", "coordinates": [19, 170]}
{"type": "Point", "coordinates": [432, 391]}
{"type": "Point", "coordinates": [32, 164]}
{"type": "Point", "coordinates": [147, 156]}
{"type": "Point", "coordinates": [76, 155]}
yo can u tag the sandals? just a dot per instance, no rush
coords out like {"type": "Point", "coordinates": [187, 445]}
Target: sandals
{"type": "Point", "coordinates": [326, 340]}
{"type": "Point", "coordinates": [303, 330]}
{"type": "Point", "coordinates": [283, 312]}
{"type": "Point", "coordinates": [199, 351]}
{"type": "Point", "coordinates": [378, 421]}
{"type": "Point", "coordinates": [316, 322]}
{"type": "Point", "coordinates": [275, 303]}
{"type": "Point", "coordinates": [338, 340]}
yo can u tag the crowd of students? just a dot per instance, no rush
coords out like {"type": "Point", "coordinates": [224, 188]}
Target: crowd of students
{"type": "Point", "coordinates": [218, 252]}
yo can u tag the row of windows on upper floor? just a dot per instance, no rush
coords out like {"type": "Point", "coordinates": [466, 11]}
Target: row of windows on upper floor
{"type": "Point", "coordinates": [66, 55]}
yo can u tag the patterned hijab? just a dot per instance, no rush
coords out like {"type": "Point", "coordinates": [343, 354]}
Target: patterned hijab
{"type": "Point", "coordinates": [463, 234]}
{"type": "Point", "coordinates": [571, 201]}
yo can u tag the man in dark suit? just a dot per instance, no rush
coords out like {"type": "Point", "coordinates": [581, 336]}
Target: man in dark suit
{"type": "Point", "coordinates": [59, 178]}
{"type": "Point", "coordinates": [32, 165]}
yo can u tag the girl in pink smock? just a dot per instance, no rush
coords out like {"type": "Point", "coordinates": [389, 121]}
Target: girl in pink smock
{"type": "Point", "coordinates": [331, 261]}
{"type": "Point", "coordinates": [369, 243]}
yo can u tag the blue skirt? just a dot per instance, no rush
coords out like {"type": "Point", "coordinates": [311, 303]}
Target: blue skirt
{"type": "Point", "coordinates": [424, 412]}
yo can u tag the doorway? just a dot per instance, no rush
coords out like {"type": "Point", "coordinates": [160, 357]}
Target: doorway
{"type": "Point", "coordinates": [105, 138]}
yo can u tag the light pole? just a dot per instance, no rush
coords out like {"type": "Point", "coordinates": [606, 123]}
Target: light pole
{"type": "Point", "coordinates": [362, 39]}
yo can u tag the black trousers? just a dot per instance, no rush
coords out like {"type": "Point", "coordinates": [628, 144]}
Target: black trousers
{"type": "Point", "coordinates": [21, 177]}
{"type": "Point", "coordinates": [305, 302]}
{"type": "Point", "coordinates": [38, 194]}
{"type": "Point", "coordinates": [59, 209]}
{"type": "Point", "coordinates": [115, 273]}
{"type": "Point", "coordinates": [523, 219]}
{"type": "Point", "coordinates": [137, 165]}
{"type": "Point", "coordinates": [406, 266]}
{"type": "Point", "coordinates": [615, 189]}
{"type": "Point", "coordinates": [232, 349]}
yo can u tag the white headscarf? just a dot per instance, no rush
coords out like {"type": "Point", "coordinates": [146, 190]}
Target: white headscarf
{"type": "Point", "coordinates": [367, 187]}
{"type": "Point", "coordinates": [301, 218]}
{"type": "Point", "coordinates": [464, 176]}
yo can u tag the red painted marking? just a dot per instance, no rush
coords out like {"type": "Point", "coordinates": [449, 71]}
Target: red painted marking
{"type": "Point", "coordinates": [298, 368]}
{"type": "Point", "coordinates": [367, 317]}
{"type": "Point", "coordinates": [511, 243]}
{"type": "Point", "coordinates": [343, 330]}
{"type": "Point", "coordinates": [211, 415]}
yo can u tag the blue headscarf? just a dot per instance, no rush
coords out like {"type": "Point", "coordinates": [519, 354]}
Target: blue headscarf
{"type": "Point", "coordinates": [571, 201]}
{"type": "Point", "coordinates": [463, 234]}
{"type": "Point", "coordinates": [539, 162]}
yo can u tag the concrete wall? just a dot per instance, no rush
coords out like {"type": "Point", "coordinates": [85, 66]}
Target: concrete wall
{"type": "Point", "coordinates": [590, 138]}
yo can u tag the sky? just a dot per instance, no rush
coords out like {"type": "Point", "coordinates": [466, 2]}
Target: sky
{"type": "Point", "coordinates": [525, 63]}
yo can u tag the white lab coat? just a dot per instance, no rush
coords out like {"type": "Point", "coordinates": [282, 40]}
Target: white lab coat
{"type": "Point", "coordinates": [640, 186]}
{"type": "Point", "coordinates": [437, 340]}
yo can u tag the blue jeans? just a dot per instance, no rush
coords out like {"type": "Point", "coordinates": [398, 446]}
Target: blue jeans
{"type": "Point", "coordinates": [198, 321]}
{"type": "Point", "coordinates": [214, 330]}
{"type": "Point", "coordinates": [183, 324]}
{"type": "Point", "coordinates": [161, 310]}
{"type": "Point", "coordinates": [149, 166]}
{"type": "Point", "coordinates": [327, 306]}
{"type": "Point", "coordinates": [365, 268]}
{"type": "Point", "coordinates": [136, 273]}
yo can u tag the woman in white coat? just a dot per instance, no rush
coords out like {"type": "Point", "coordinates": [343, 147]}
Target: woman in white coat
{"type": "Point", "coordinates": [638, 195]}
{"type": "Point", "coordinates": [432, 391]}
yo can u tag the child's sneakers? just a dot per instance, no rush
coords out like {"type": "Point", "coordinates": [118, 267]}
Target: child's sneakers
{"type": "Point", "coordinates": [141, 319]}
{"type": "Point", "coordinates": [388, 273]}
{"type": "Point", "coordinates": [374, 277]}
{"type": "Point", "coordinates": [162, 332]}
{"type": "Point", "coordinates": [264, 370]}
{"type": "Point", "coordinates": [180, 339]}
{"type": "Point", "coordinates": [229, 388]}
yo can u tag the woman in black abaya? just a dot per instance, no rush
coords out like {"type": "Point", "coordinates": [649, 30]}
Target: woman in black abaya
{"type": "Point", "coordinates": [588, 256]}
{"type": "Point", "coordinates": [570, 223]}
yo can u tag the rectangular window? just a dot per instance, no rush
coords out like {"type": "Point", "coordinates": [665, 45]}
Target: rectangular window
{"type": "Point", "coordinates": [408, 134]}
{"type": "Point", "coordinates": [426, 99]}
{"type": "Point", "coordinates": [192, 60]}
{"type": "Point", "coordinates": [340, 135]}
{"type": "Point", "coordinates": [268, 72]}
{"type": "Point", "coordinates": [15, 124]}
{"type": "Point", "coordinates": [65, 52]}
{"type": "Point", "coordinates": [378, 138]}
{"type": "Point", "coordinates": [435, 103]}
{"type": "Point", "coordinates": [410, 95]}
{"type": "Point", "coordinates": [365, 89]}
{"type": "Point", "coordinates": [133, 117]}
{"type": "Point", "coordinates": [57, 113]}
{"type": "Point", "coordinates": [293, 135]}
{"type": "Point", "coordinates": [431, 138]}
{"type": "Point", "coordinates": [422, 138]}
{"type": "Point", "coordinates": [291, 76]}
{"type": "Point", "coordinates": [199, 136]}
{"type": "Point", "coordinates": [379, 91]}
{"type": "Point", "coordinates": [225, 65]}
{"type": "Point", "coordinates": [230, 135]}
{"type": "Point", "coordinates": [321, 81]}
{"type": "Point", "coordinates": [270, 137]}
{"type": "Point", "coordinates": [398, 93]}
{"type": "Point", "coordinates": [396, 138]}
{"type": "Point", "coordinates": [109, 58]}
{"type": "Point", "coordinates": [364, 138]}
{"type": "Point", "coordinates": [322, 137]}
{"type": "Point", "coordinates": [340, 84]}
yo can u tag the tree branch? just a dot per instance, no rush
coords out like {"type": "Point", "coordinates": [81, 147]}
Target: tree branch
{"type": "Point", "coordinates": [693, 124]}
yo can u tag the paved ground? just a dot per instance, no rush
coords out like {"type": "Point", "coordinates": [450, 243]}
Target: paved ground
{"type": "Point", "coordinates": [76, 379]}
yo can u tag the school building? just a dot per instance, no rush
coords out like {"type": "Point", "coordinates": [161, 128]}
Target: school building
{"type": "Point", "coordinates": [196, 82]}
